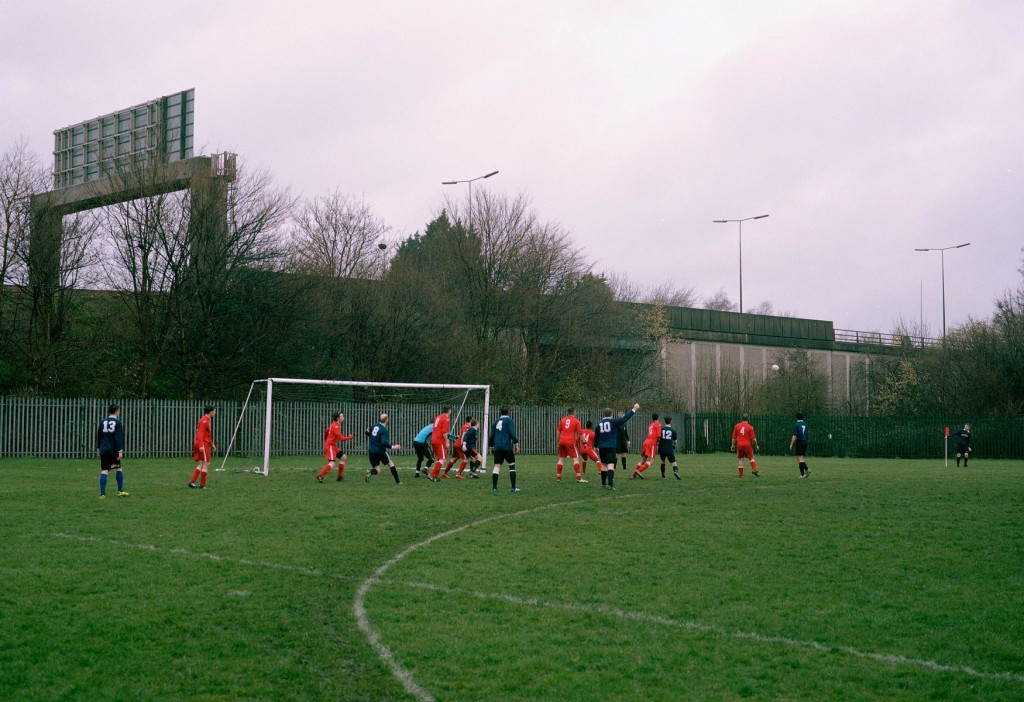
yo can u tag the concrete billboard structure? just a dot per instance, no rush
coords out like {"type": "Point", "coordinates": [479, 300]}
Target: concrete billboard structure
{"type": "Point", "coordinates": [156, 132]}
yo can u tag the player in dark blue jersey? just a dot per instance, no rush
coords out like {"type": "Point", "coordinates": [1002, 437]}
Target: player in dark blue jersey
{"type": "Point", "coordinates": [798, 443]}
{"type": "Point", "coordinates": [963, 444]}
{"type": "Point", "coordinates": [505, 446]}
{"type": "Point", "coordinates": [470, 454]}
{"type": "Point", "coordinates": [667, 447]}
{"type": "Point", "coordinates": [380, 442]}
{"type": "Point", "coordinates": [608, 443]}
{"type": "Point", "coordinates": [110, 447]}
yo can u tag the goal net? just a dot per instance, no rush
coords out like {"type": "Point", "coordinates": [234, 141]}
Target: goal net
{"type": "Point", "coordinates": [283, 420]}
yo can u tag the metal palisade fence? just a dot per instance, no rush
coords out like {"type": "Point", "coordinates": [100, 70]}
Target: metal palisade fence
{"type": "Point", "coordinates": [66, 428]}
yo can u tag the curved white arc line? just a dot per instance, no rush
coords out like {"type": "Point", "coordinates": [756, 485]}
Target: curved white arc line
{"type": "Point", "coordinates": [403, 674]}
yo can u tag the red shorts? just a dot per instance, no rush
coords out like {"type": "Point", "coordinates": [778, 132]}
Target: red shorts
{"type": "Point", "coordinates": [440, 450]}
{"type": "Point", "coordinates": [649, 449]}
{"type": "Point", "coordinates": [744, 451]}
{"type": "Point", "coordinates": [331, 452]}
{"type": "Point", "coordinates": [568, 450]}
{"type": "Point", "coordinates": [202, 452]}
{"type": "Point", "coordinates": [589, 453]}
{"type": "Point", "coordinates": [458, 451]}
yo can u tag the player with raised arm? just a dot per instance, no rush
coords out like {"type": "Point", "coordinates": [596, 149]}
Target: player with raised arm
{"type": "Point", "coordinates": [744, 442]}
{"type": "Point", "coordinates": [667, 448]}
{"type": "Point", "coordinates": [963, 444]}
{"type": "Point", "coordinates": [203, 447]}
{"type": "Point", "coordinates": [798, 442]}
{"type": "Point", "coordinates": [608, 443]}
{"type": "Point", "coordinates": [380, 442]}
{"type": "Point", "coordinates": [587, 448]}
{"type": "Point", "coordinates": [439, 442]}
{"type": "Point", "coordinates": [569, 429]}
{"type": "Point", "coordinates": [505, 446]}
{"type": "Point", "coordinates": [421, 444]}
{"type": "Point", "coordinates": [110, 447]}
{"type": "Point", "coordinates": [470, 455]}
{"type": "Point", "coordinates": [649, 448]}
{"type": "Point", "coordinates": [332, 448]}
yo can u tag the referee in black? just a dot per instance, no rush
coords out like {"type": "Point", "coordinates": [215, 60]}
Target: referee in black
{"type": "Point", "coordinates": [622, 442]}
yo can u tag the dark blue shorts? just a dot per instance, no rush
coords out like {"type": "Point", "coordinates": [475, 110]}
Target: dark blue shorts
{"type": "Point", "coordinates": [504, 456]}
{"type": "Point", "coordinates": [109, 461]}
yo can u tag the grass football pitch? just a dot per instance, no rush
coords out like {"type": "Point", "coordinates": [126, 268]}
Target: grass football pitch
{"type": "Point", "coordinates": [869, 580]}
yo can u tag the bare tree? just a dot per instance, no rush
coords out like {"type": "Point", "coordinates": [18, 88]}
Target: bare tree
{"type": "Point", "coordinates": [146, 237]}
{"type": "Point", "coordinates": [58, 256]}
{"type": "Point", "coordinates": [667, 293]}
{"type": "Point", "coordinates": [21, 176]}
{"type": "Point", "coordinates": [44, 257]}
{"type": "Point", "coordinates": [338, 236]}
{"type": "Point", "coordinates": [719, 301]}
{"type": "Point", "coordinates": [234, 232]}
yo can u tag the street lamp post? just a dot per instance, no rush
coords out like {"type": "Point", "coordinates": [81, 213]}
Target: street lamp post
{"type": "Point", "coordinates": [740, 221]}
{"type": "Point", "coordinates": [470, 183]}
{"type": "Point", "coordinates": [942, 257]}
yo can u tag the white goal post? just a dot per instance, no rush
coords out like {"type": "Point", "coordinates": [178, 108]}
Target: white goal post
{"type": "Point", "coordinates": [287, 416]}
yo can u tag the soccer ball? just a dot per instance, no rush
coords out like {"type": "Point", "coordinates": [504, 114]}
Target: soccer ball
{"type": "Point", "coordinates": [775, 367]}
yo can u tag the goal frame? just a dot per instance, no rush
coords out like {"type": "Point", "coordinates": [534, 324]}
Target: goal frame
{"type": "Point", "coordinates": [267, 421]}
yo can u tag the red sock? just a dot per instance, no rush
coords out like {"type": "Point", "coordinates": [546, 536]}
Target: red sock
{"type": "Point", "coordinates": [753, 466]}
{"type": "Point", "coordinates": [641, 468]}
{"type": "Point", "coordinates": [435, 472]}
{"type": "Point", "coordinates": [741, 471]}
{"type": "Point", "coordinates": [449, 464]}
{"type": "Point", "coordinates": [576, 468]}
{"type": "Point", "coordinates": [195, 475]}
{"type": "Point", "coordinates": [202, 479]}
{"type": "Point", "coordinates": [341, 469]}
{"type": "Point", "coordinates": [558, 470]}
{"type": "Point", "coordinates": [325, 471]}
{"type": "Point", "coordinates": [584, 468]}
{"type": "Point", "coordinates": [462, 467]}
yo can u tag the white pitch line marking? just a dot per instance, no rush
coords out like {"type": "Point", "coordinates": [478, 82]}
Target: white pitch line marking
{"type": "Point", "coordinates": [534, 602]}
{"type": "Point", "coordinates": [403, 674]}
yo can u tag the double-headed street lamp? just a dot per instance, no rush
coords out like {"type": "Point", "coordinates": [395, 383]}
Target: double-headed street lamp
{"type": "Point", "coordinates": [740, 221]}
{"type": "Point", "coordinates": [942, 254]}
{"type": "Point", "coordinates": [470, 183]}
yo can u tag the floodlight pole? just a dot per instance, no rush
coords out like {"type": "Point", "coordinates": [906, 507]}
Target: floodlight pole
{"type": "Point", "coordinates": [942, 258]}
{"type": "Point", "coordinates": [470, 183]}
{"type": "Point", "coordinates": [740, 221]}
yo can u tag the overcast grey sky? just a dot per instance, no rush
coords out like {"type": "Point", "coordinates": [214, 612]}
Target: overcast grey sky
{"type": "Point", "coordinates": [866, 128]}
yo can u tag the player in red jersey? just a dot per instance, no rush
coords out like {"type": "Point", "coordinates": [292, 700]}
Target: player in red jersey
{"type": "Point", "coordinates": [650, 448]}
{"type": "Point", "coordinates": [569, 429]}
{"type": "Point", "coordinates": [587, 447]}
{"type": "Point", "coordinates": [332, 448]}
{"type": "Point", "coordinates": [744, 441]}
{"type": "Point", "coordinates": [439, 442]}
{"type": "Point", "coordinates": [203, 447]}
{"type": "Point", "coordinates": [468, 441]}
{"type": "Point", "coordinates": [457, 452]}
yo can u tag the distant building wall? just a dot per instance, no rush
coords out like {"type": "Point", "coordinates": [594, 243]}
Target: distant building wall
{"type": "Point", "coordinates": [712, 375]}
